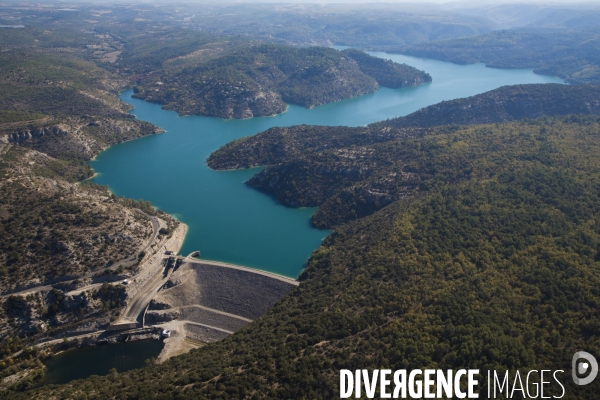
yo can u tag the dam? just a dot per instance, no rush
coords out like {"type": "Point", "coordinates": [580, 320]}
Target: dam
{"type": "Point", "coordinates": [206, 301]}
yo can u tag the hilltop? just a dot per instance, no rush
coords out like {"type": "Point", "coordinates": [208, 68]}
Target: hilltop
{"type": "Point", "coordinates": [505, 104]}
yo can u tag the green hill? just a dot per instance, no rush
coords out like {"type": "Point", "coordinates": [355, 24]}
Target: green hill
{"type": "Point", "coordinates": [508, 103]}
{"type": "Point", "coordinates": [58, 110]}
{"type": "Point", "coordinates": [346, 172]}
{"type": "Point", "coordinates": [260, 80]}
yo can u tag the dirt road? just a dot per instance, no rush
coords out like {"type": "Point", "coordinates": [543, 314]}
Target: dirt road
{"type": "Point", "coordinates": [136, 306]}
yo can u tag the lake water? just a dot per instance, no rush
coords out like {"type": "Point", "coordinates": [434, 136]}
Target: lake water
{"type": "Point", "coordinates": [99, 360]}
{"type": "Point", "coordinates": [231, 222]}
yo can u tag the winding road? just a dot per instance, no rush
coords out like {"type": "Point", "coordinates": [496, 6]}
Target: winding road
{"type": "Point", "coordinates": [155, 231]}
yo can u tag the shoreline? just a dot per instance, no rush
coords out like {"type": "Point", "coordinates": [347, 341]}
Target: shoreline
{"type": "Point", "coordinates": [124, 141]}
{"type": "Point", "coordinates": [162, 106]}
{"type": "Point", "coordinates": [532, 69]}
{"type": "Point", "coordinates": [215, 262]}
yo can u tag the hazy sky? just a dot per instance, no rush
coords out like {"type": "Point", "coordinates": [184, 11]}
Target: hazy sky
{"type": "Point", "coordinates": [443, 4]}
{"type": "Point", "coordinates": [448, 2]}
{"type": "Point", "coordinates": [457, 2]}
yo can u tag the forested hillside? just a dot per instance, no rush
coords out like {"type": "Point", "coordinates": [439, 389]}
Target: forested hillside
{"type": "Point", "coordinates": [492, 265]}
{"type": "Point", "coordinates": [386, 72]}
{"type": "Point", "coordinates": [149, 51]}
{"type": "Point", "coordinates": [350, 174]}
{"type": "Point", "coordinates": [508, 103]}
{"type": "Point", "coordinates": [504, 104]}
{"type": "Point", "coordinates": [569, 54]}
{"type": "Point", "coordinates": [260, 80]}
{"type": "Point", "coordinates": [60, 103]}
{"type": "Point", "coordinates": [58, 109]}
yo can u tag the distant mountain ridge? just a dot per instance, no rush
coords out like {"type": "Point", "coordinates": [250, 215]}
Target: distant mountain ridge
{"type": "Point", "coordinates": [571, 54]}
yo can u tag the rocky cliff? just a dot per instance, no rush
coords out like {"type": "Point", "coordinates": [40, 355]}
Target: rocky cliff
{"type": "Point", "coordinates": [78, 137]}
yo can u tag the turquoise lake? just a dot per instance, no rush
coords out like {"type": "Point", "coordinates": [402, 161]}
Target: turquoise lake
{"type": "Point", "coordinates": [231, 222]}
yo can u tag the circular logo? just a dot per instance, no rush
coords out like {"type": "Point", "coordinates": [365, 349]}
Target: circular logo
{"type": "Point", "coordinates": [581, 368]}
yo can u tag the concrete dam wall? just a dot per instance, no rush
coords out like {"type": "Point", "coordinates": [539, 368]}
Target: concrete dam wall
{"type": "Point", "coordinates": [210, 300]}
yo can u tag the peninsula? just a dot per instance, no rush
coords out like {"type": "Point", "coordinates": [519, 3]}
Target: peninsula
{"type": "Point", "coordinates": [352, 172]}
{"type": "Point", "coordinates": [261, 80]}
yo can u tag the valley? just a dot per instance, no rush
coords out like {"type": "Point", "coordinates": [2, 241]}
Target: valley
{"type": "Point", "coordinates": [241, 200]}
